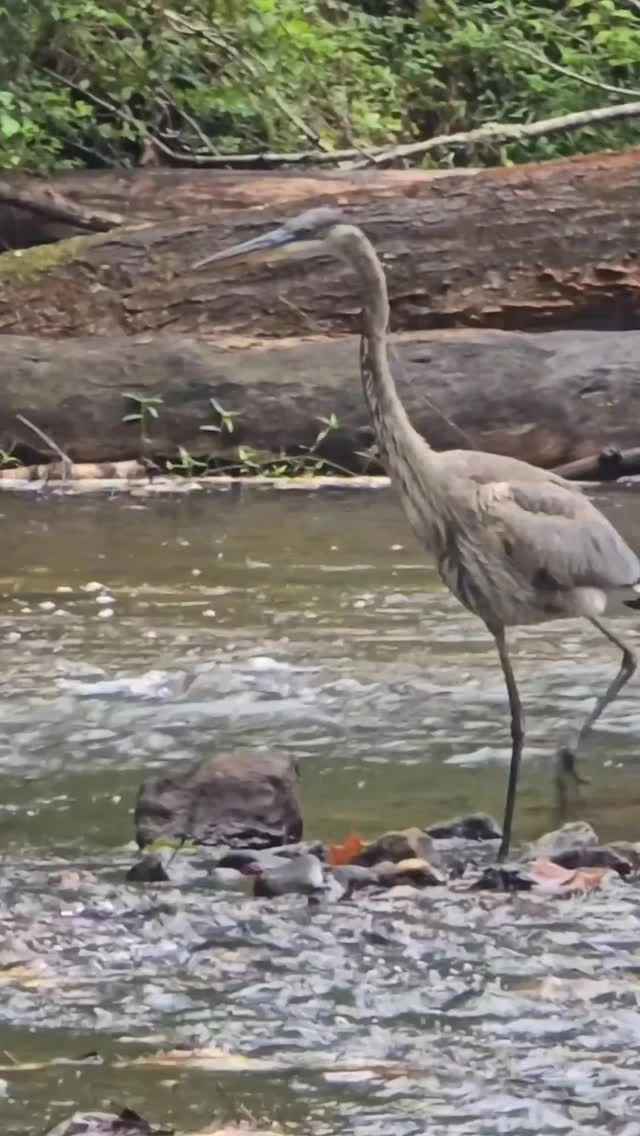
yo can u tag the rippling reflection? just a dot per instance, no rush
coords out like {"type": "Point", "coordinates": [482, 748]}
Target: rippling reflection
{"type": "Point", "coordinates": [134, 635]}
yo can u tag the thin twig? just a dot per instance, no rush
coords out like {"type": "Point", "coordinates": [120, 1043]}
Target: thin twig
{"type": "Point", "coordinates": [45, 438]}
{"type": "Point", "coordinates": [197, 130]}
{"type": "Point", "coordinates": [584, 79]}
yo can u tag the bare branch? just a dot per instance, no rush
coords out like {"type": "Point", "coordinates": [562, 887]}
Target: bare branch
{"type": "Point", "coordinates": [55, 207]}
{"type": "Point", "coordinates": [45, 438]}
{"type": "Point", "coordinates": [490, 133]}
{"type": "Point", "coordinates": [494, 132]}
{"type": "Point", "coordinates": [586, 80]}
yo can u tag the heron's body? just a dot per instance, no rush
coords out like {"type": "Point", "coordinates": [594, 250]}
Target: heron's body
{"type": "Point", "coordinates": [518, 545]}
{"type": "Point", "coordinates": [515, 544]}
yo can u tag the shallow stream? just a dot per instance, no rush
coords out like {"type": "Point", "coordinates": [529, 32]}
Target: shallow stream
{"type": "Point", "coordinates": [309, 623]}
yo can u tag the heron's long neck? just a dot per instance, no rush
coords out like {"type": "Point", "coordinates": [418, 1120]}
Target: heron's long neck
{"type": "Point", "coordinates": [427, 491]}
{"type": "Point", "coordinates": [396, 437]}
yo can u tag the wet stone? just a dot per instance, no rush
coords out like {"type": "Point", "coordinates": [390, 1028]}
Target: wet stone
{"type": "Point", "coordinates": [303, 876]}
{"type": "Point", "coordinates": [125, 1123]}
{"type": "Point", "coordinates": [406, 844]}
{"type": "Point", "coordinates": [476, 827]}
{"type": "Point", "coordinates": [499, 878]}
{"type": "Point", "coordinates": [353, 877]}
{"type": "Point", "coordinates": [628, 851]}
{"type": "Point", "coordinates": [242, 799]}
{"type": "Point", "coordinates": [569, 838]}
{"type": "Point", "coordinates": [147, 870]}
{"type": "Point", "coordinates": [589, 857]}
{"type": "Point", "coordinates": [413, 871]}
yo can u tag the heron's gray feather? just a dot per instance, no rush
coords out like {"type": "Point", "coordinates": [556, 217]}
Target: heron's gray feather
{"type": "Point", "coordinates": [556, 537]}
{"type": "Point", "coordinates": [482, 468]}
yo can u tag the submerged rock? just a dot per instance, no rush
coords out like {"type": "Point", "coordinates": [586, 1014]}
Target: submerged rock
{"type": "Point", "coordinates": [125, 1123]}
{"type": "Point", "coordinates": [406, 844]}
{"type": "Point", "coordinates": [242, 799]}
{"type": "Point", "coordinates": [476, 826]}
{"type": "Point", "coordinates": [599, 857]}
{"type": "Point", "coordinates": [302, 876]}
{"type": "Point", "coordinates": [500, 878]}
{"type": "Point", "coordinates": [353, 877]}
{"type": "Point", "coordinates": [148, 870]}
{"type": "Point", "coordinates": [575, 835]}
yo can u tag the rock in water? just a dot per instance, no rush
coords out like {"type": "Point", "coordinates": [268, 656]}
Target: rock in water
{"type": "Point", "coordinates": [572, 836]}
{"type": "Point", "coordinates": [126, 1123]}
{"type": "Point", "coordinates": [303, 875]}
{"type": "Point", "coordinates": [148, 870]}
{"type": "Point", "coordinates": [476, 826]}
{"type": "Point", "coordinates": [241, 799]}
{"type": "Point", "coordinates": [406, 844]}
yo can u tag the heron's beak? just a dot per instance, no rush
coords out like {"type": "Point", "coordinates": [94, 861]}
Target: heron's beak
{"type": "Point", "coordinates": [276, 245]}
{"type": "Point", "coordinates": [255, 249]}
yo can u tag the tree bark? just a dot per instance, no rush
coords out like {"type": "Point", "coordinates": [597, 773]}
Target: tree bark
{"type": "Point", "coordinates": [546, 246]}
{"type": "Point", "coordinates": [547, 398]}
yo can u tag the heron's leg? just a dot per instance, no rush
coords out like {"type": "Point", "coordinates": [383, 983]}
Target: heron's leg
{"type": "Point", "coordinates": [567, 756]}
{"type": "Point", "coordinates": [517, 739]}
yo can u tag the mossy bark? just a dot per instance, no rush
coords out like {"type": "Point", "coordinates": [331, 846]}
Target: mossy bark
{"type": "Point", "coordinates": [543, 246]}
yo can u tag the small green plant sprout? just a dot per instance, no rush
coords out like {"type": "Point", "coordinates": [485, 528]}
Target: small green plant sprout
{"type": "Point", "coordinates": [329, 426]}
{"type": "Point", "coordinates": [146, 412]}
{"type": "Point", "coordinates": [8, 461]}
{"type": "Point", "coordinates": [250, 461]}
{"type": "Point", "coordinates": [188, 464]}
{"type": "Point", "coordinates": [226, 419]}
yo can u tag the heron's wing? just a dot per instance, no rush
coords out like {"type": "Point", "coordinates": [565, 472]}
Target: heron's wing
{"type": "Point", "coordinates": [557, 538]}
{"type": "Point", "coordinates": [483, 468]}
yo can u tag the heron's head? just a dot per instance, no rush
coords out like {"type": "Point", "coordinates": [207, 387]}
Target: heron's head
{"type": "Point", "coordinates": [315, 232]}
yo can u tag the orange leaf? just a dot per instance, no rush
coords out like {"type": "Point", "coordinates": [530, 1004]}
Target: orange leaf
{"type": "Point", "coordinates": [552, 877]}
{"type": "Point", "coordinates": [347, 852]}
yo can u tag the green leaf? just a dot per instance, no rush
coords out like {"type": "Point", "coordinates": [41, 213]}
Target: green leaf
{"type": "Point", "coordinates": [9, 126]}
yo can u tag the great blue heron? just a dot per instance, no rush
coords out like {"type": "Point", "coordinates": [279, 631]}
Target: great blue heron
{"type": "Point", "coordinates": [515, 544]}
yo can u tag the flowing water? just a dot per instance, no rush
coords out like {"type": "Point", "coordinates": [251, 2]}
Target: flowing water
{"type": "Point", "coordinates": [306, 623]}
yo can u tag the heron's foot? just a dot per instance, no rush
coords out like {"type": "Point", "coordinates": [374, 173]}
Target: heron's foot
{"type": "Point", "coordinates": [566, 773]}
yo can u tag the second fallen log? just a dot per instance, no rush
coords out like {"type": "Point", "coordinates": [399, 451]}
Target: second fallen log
{"type": "Point", "coordinates": [547, 399]}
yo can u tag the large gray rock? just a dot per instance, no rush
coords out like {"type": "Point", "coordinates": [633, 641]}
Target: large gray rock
{"type": "Point", "coordinates": [242, 799]}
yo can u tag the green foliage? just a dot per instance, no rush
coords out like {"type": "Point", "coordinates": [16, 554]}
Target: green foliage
{"type": "Point", "coordinates": [96, 82]}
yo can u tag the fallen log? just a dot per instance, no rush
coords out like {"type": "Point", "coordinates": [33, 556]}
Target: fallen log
{"type": "Point", "coordinates": [530, 247]}
{"type": "Point", "coordinates": [549, 399]}
{"type": "Point", "coordinates": [609, 465]}
{"type": "Point", "coordinates": [36, 212]}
